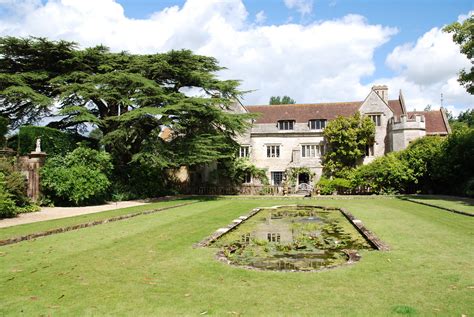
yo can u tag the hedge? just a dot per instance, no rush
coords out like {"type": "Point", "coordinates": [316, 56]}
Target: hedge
{"type": "Point", "coordinates": [53, 141]}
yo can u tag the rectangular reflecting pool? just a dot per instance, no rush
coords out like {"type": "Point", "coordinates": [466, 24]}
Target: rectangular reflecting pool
{"type": "Point", "coordinates": [292, 238]}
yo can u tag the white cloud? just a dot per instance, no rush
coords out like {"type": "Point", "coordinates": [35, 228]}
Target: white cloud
{"type": "Point", "coordinates": [304, 7]}
{"type": "Point", "coordinates": [428, 68]}
{"type": "Point", "coordinates": [260, 17]}
{"type": "Point", "coordinates": [321, 61]}
{"type": "Point", "coordinates": [463, 17]}
{"type": "Point", "coordinates": [434, 57]}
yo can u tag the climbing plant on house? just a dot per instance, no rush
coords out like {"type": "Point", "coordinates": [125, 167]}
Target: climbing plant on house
{"type": "Point", "coordinates": [347, 139]}
{"type": "Point", "coordinates": [292, 174]}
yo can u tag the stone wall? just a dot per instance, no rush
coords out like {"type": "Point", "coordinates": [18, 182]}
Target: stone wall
{"type": "Point", "coordinates": [404, 131]}
{"type": "Point", "coordinates": [374, 105]}
{"type": "Point", "coordinates": [290, 151]}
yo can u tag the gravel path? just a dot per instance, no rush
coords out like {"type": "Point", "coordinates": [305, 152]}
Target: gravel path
{"type": "Point", "coordinates": [48, 213]}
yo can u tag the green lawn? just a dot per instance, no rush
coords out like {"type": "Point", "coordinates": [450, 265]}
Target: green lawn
{"type": "Point", "coordinates": [41, 226]}
{"type": "Point", "coordinates": [457, 203]}
{"type": "Point", "coordinates": [147, 266]}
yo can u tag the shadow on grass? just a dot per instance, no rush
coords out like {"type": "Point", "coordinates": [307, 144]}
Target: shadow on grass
{"type": "Point", "coordinates": [455, 199]}
{"type": "Point", "coordinates": [459, 205]}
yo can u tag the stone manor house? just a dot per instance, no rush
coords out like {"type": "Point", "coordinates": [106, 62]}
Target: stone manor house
{"type": "Point", "coordinates": [289, 136]}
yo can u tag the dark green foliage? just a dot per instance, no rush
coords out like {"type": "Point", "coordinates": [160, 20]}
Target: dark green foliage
{"type": "Point", "coordinates": [293, 172]}
{"type": "Point", "coordinates": [96, 134]}
{"type": "Point", "coordinates": [346, 138]}
{"type": "Point", "coordinates": [7, 204]}
{"type": "Point", "coordinates": [430, 164]}
{"type": "Point", "coordinates": [388, 174]}
{"type": "Point", "coordinates": [53, 141]}
{"type": "Point", "coordinates": [463, 35]}
{"type": "Point", "coordinates": [234, 171]}
{"type": "Point", "coordinates": [136, 180]}
{"type": "Point", "coordinates": [13, 189]}
{"type": "Point", "coordinates": [129, 98]}
{"type": "Point", "coordinates": [422, 156]}
{"type": "Point", "coordinates": [15, 181]}
{"type": "Point", "coordinates": [285, 100]}
{"type": "Point", "coordinates": [467, 117]}
{"type": "Point", "coordinates": [3, 130]}
{"type": "Point", "coordinates": [454, 170]}
{"type": "Point", "coordinates": [328, 186]}
{"type": "Point", "coordinates": [27, 65]}
{"type": "Point", "coordinates": [79, 178]}
{"type": "Point", "coordinates": [409, 170]}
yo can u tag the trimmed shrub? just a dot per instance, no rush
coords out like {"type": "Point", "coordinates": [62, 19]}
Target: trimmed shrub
{"type": "Point", "coordinates": [79, 178]}
{"type": "Point", "coordinates": [385, 175]}
{"type": "Point", "coordinates": [335, 185]}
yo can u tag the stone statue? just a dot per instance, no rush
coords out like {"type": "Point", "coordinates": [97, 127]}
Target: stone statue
{"type": "Point", "coordinates": [38, 145]}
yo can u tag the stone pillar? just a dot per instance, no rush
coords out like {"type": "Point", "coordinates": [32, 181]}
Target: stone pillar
{"type": "Point", "coordinates": [35, 162]}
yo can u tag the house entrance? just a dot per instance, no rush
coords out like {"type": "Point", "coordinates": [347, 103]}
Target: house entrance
{"type": "Point", "coordinates": [303, 178]}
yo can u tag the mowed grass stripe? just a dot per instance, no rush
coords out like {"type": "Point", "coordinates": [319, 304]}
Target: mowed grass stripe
{"type": "Point", "coordinates": [30, 228]}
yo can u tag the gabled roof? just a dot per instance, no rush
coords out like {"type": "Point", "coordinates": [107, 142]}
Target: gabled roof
{"type": "Point", "coordinates": [434, 120]}
{"type": "Point", "coordinates": [302, 113]}
{"type": "Point", "coordinates": [396, 107]}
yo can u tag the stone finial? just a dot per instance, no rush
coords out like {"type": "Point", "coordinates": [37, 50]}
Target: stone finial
{"type": "Point", "coordinates": [38, 145]}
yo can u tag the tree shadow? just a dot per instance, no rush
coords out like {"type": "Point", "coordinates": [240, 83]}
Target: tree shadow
{"type": "Point", "coordinates": [465, 201]}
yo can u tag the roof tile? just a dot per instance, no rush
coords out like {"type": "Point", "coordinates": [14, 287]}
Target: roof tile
{"type": "Point", "coordinates": [434, 120]}
{"type": "Point", "coordinates": [302, 113]}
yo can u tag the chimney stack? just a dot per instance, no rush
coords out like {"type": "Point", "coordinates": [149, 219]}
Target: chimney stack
{"type": "Point", "coordinates": [382, 91]}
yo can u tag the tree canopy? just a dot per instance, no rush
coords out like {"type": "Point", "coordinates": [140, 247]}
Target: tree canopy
{"type": "Point", "coordinates": [347, 139]}
{"type": "Point", "coordinates": [131, 98]}
{"type": "Point", "coordinates": [463, 34]}
{"type": "Point", "coordinates": [285, 100]}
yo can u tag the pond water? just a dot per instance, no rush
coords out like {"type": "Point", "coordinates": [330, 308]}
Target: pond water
{"type": "Point", "coordinates": [299, 238]}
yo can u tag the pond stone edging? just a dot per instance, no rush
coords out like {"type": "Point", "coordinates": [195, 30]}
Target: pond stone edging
{"type": "Point", "coordinates": [369, 235]}
{"type": "Point", "coordinates": [358, 224]}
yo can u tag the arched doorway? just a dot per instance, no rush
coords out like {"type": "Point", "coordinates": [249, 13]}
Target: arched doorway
{"type": "Point", "coordinates": [303, 178]}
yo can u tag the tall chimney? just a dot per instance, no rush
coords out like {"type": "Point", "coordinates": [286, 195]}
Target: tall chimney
{"type": "Point", "coordinates": [382, 91]}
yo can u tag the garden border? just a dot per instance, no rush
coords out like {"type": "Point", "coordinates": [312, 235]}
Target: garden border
{"type": "Point", "coordinates": [86, 224]}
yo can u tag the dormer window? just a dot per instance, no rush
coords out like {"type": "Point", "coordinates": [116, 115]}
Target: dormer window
{"type": "Point", "coordinates": [317, 124]}
{"type": "Point", "coordinates": [286, 124]}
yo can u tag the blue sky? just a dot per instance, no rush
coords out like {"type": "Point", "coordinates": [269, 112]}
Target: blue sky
{"type": "Point", "coordinates": [311, 50]}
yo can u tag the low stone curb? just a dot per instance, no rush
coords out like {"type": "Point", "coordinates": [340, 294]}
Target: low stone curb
{"type": "Point", "coordinates": [221, 231]}
{"type": "Point", "coordinates": [86, 225]}
{"type": "Point", "coordinates": [369, 235]}
{"type": "Point", "coordinates": [322, 197]}
{"type": "Point", "coordinates": [439, 207]}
